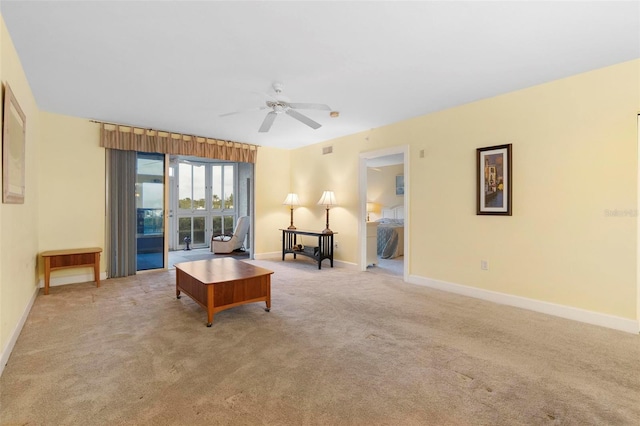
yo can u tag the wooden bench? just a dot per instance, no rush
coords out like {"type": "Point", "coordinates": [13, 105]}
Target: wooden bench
{"type": "Point", "coordinates": [71, 258]}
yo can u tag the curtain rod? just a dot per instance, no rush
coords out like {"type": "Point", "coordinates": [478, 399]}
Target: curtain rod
{"type": "Point", "coordinates": [167, 131]}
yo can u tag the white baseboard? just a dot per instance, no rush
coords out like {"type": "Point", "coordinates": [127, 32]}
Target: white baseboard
{"type": "Point", "coordinates": [13, 337]}
{"type": "Point", "coordinates": [277, 255]}
{"type": "Point", "coordinates": [268, 256]}
{"type": "Point", "coordinates": [562, 311]}
{"type": "Point", "coordinates": [71, 279]}
{"type": "Point", "coordinates": [342, 264]}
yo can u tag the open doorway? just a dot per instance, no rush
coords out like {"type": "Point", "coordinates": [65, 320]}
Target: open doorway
{"type": "Point", "coordinates": [206, 198]}
{"type": "Point", "coordinates": [384, 192]}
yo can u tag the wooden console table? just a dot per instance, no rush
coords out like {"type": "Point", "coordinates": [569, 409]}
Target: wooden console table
{"type": "Point", "coordinates": [324, 249]}
{"type": "Point", "coordinates": [71, 258]}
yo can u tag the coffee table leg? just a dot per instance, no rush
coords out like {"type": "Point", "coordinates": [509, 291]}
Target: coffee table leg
{"type": "Point", "coordinates": [268, 301]}
{"type": "Point", "coordinates": [210, 305]}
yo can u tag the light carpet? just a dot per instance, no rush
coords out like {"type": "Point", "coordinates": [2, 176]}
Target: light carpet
{"type": "Point", "coordinates": [339, 347]}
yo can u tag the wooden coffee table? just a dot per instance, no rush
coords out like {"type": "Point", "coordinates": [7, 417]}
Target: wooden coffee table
{"type": "Point", "coordinates": [223, 283]}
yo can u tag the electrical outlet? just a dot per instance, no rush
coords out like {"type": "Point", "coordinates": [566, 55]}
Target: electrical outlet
{"type": "Point", "coordinates": [484, 265]}
{"type": "Point", "coordinates": [335, 245]}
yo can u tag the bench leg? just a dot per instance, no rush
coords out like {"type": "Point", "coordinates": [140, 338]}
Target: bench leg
{"type": "Point", "coordinates": [96, 269]}
{"type": "Point", "coordinates": [47, 274]}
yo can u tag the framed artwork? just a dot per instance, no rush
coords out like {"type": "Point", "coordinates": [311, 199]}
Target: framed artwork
{"type": "Point", "coordinates": [494, 183]}
{"type": "Point", "coordinates": [400, 185]}
{"type": "Point", "coordinates": [13, 149]}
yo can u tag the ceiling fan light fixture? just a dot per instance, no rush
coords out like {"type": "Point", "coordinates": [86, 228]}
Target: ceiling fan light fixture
{"type": "Point", "coordinates": [277, 86]}
{"type": "Point", "coordinates": [279, 104]}
{"type": "Point", "coordinates": [334, 114]}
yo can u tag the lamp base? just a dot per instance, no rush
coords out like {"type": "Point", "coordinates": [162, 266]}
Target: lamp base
{"type": "Point", "coordinates": [327, 231]}
{"type": "Point", "coordinates": [291, 223]}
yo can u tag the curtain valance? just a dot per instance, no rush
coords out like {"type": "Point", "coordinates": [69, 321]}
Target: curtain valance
{"type": "Point", "coordinates": [130, 138]}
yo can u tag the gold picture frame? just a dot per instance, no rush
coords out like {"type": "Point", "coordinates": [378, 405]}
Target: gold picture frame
{"type": "Point", "coordinates": [14, 124]}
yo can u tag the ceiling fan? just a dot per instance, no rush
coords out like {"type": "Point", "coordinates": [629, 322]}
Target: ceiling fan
{"type": "Point", "coordinates": [280, 104]}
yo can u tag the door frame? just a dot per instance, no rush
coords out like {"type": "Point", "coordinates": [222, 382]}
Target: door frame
{"type": "Point", "coordinates": [362, 197]}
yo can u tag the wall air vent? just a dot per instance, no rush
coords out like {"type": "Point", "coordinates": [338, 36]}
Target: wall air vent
{"type": "Point", "coordinates": [327, 150]}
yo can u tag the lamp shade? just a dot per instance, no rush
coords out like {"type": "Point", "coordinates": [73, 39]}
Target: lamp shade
{"type": "Point", "coordinates": [292, 200]}
{"type": "Point", "coordinates": [371, 207]}
{"type": "Point", "coordinates": [328, 199]}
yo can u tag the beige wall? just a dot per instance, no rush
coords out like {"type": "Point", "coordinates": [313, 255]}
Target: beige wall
{"type": "Point", "coordinates": [18, 222]}
{"type": "Point", "coordinates": [381, 188]}
{"type": "Point", "coordinates": [574, 157]}
{"type": "Point", "coordinates": [72, 187]}
{"type": "Point", "coordinates": [271, 188]}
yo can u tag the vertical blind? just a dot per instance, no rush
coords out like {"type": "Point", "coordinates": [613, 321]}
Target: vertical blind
{"type": "Point", "coordinates": [122, 213]}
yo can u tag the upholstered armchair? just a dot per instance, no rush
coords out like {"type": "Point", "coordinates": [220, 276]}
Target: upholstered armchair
{"type": "Point", "coordinates": [227, 244]}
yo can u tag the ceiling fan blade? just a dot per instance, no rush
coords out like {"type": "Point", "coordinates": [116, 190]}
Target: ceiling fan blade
{"type": "Point", "coordinates": [244, 110]}
{"type": "Point", "coordinates": [268, 121]}
{"type": "Point", "coordinates": [303, 118]}
{"type": "Point", "coordinates": [310, 106]}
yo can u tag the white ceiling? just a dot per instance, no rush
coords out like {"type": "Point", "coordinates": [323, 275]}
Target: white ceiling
{"type": "Point", "coordinates": [178, 65]}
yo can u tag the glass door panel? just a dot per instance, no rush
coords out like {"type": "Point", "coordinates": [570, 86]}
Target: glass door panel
{"type": "Point", "coordinates": [216, 226]}
{"type": "Point", "coordinates": [216, 187]}
{"type": "Point", "coordinates": [228, 188]}
{"type": "Point", "coordinates": [199, 183]}
{"type": "Point", "coordinates": [150, 211]}
{"type": "Point", "coordinates": [185, 189]}
{"type": "Point", "coordinates": [184, 230]}
{"type": "Point", "coordinates": [192, 204]}
{"type": "Point", "coordinates": [198, 230]}
{"type": "Point", "coordinates": [228, 225]}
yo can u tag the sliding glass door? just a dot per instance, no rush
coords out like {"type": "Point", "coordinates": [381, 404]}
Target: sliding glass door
{"type": "Point", "coordinates": [150, 211]}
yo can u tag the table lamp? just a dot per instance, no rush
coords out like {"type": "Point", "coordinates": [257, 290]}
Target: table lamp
{"type": "Point", "coordinates": [371, 207]}
{"type": "Point", "coordinates": [328, 199]}
{"type": "Point", "coordinates": [291, 201]}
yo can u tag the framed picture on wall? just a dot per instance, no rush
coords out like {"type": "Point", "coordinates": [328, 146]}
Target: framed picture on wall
{"type": "Point", "coordinates": [13, 149]}
{"type": "Point", "coordinates": [494, 183]}
{"type": "Point", "coordinates": [400, 185]}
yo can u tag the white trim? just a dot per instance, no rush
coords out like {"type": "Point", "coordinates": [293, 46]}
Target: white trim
{"type": "Point", "coordinates": [268, 256]}
{"type": "Point", "coordinates": [13, 337]}
{"type": "Point", "coordinates": [638, 223]}
{"type": "Point", "coordinates": [562, 311]}
{"type": "Point", "coordinates": [342, 264]}
{"type": "Point", "coordinates": [71, 279]}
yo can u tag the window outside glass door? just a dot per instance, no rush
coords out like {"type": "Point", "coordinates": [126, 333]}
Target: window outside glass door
{"type": "Point", "coordinates": [205, 202]}
{"type": "Point", "coordinates": [222, 206]}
